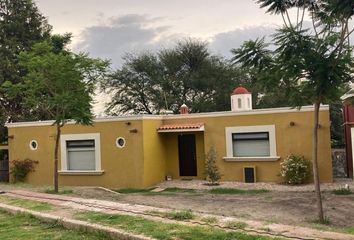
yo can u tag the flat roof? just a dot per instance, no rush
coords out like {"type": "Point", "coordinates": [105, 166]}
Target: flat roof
{"type": "Point", "coordinates": [178, 116]}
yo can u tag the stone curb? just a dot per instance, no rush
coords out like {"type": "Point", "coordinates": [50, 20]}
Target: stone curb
{"type": "Point", "coordinates": [74, 224]}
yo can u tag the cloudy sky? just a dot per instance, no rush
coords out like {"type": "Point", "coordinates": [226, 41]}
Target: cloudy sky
{"type": "Point", "coordinates": [111, 28]}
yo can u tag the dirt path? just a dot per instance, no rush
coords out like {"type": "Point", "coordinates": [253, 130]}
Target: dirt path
{"type": "Point", "coordinates": [138, 209]}
{"type": "Point", "coordinates": [280, 207]}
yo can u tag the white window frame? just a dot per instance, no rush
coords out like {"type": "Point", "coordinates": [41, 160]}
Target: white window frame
{"type": "Point", "coordinates": [251, 129]}
{"type": "Point", "coordinates": [64, 153]}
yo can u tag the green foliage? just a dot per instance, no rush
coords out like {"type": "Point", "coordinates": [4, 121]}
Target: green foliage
{"type": "Point", "coordinates": [133, 190]}
{"type": "Point", "coordinates": [23, 227]}
{"type": "Point", "coordinates": [26, 203]}
{"type": "Point", "coordinates": [20, 169]}
{"type": "Point", "coordinates": [165, 231]}
{"type": "Point", "coordinates": [295, 169]}
{"type": "Point", "coordinates": [212, 172]}
{"type": "Point", "coordinates": [187, 73]}
{"type": "Point", "coordinates": [179, 190]}
{"type": "Point", "coordinates": [236, 225]}
{"type": "Point", "coordinates": [237, 191]}
{"type": "Point", "coordinates": [342, 191]}
{"type": "Point", "coordinates": [181, 215]}
{"type": "Point", "coordinates": [209, 220]}
{"type": "Point", "coordinates": [22, 25]}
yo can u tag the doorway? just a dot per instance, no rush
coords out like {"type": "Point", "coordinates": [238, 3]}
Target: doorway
{"type": "Point", "coordinates": [4, 166]}
{"type": "Point", "coordinates": [187, 155]}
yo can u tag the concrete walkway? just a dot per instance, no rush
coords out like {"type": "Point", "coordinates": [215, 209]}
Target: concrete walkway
{"type": "Point", "coordinates": [253, 227]}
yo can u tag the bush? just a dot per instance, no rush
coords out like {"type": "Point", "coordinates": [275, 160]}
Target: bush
{"type": "Point", "coordinates": [295, 169]}
{"type": "Point", "coordinates": [20, 169]}
{"type": "Point", "coordinates": [211, 169]}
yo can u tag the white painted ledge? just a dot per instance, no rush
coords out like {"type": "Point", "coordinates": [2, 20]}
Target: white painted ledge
{"type": "Point", "coordinates": [251, 159]}
{"type": "Point", "coordinates": [93, 173]}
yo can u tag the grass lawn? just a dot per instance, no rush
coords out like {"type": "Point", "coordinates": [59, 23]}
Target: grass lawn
{"type": "Point", "coordinates": [164, 231]}
{"type": "Point", "coordinates": [25, 203]}
{"type": "Point", "coordinates": [18, 227]}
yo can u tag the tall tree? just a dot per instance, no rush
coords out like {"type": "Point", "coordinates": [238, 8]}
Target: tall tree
{"type": "Point", "coordinates": [186, 73]}
{"type": "Point", "coordinates": [313, 63]}
{"type": "Point", "coordinates": [59, 84]}
{"type": "Point", "coordinates": [21, 25]}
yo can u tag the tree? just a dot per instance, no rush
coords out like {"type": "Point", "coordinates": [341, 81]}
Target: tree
{"type": "Point", "coordinates": [59, 84]}
{"type": "Point", "coordinates": [187, 73]}
{"type": "Point", "coordinates": [211, 169]}
{"type": "Point", "coordinates": [311, 64]}
{"type": "Point", "coordinates": [21, 25]}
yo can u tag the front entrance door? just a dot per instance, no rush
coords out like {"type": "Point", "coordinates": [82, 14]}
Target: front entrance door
{"type": "Point", "coordinates": [187, 155]}
{"type": "Point", "coordinates": [4, 166]}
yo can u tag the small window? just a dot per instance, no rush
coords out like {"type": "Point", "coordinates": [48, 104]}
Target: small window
{"type": "Point", "coordinates": [239, 103]}
{"type": "Point", "coordinates": [255, 144]}
{"type": "Point", "coordinates": [33, 145]}
{"type": "Point", "coordinates": [120, 142]}
{"type": "Point", "coordinates": [81, 154]}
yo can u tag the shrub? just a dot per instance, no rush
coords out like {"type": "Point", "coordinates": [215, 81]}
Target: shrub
{"type": "Point", "coordinates": [295, 169]}
{"type": "Point", "coordinates": [342, 191]}
{"type": "Point", "coordinates": [20, 169]}
{"type": "Point", "coordinates": [211, 169]}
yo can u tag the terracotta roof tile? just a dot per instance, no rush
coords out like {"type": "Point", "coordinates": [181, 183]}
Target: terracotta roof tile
{"type": "Point", "coordinates": [183, 126]}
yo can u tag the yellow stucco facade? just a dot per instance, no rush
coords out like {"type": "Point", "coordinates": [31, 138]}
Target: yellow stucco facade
{"type": "Point", "coordinates": [148, 156]}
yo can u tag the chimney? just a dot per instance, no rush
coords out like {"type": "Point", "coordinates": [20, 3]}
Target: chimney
{"type": "Point", "coordinates": [183, 109]}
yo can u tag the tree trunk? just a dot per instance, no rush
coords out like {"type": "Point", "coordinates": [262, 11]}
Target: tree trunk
{"type": "Point", "coordinates": [56, 151]}
{"type": "Point", "coordinates": [314, 160]}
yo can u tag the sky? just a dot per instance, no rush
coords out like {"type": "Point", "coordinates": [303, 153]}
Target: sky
{"type": "Point", "coordinates": [110, 29]}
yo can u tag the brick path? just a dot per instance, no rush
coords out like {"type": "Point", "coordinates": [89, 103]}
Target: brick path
{"type": "Point", "coordinates": [142, 210]}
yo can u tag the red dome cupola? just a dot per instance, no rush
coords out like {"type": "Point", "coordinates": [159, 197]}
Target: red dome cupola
{"type": "Point", "coordinates": [240, 90]}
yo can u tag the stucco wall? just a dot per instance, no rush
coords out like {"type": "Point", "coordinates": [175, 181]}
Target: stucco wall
{"type": "Point", "coordinates": [149, 156]}
{"type": "Point", "coordinates": [154, 153]}
{"type": "Point", "coordinates": [295, 139]}
{"type": "Point", "coordinates": [123, 167]}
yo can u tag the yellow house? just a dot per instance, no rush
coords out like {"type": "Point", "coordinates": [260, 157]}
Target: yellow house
{"type": "Point", "coordinates": [142, 150]}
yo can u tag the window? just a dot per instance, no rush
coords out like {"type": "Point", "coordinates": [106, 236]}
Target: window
{"type": "Point", "coordinates": [80, 153]}
{"type": "Point", "coordinates": [248, 143]}
{"type": "Point", "coordinates": [120, 142]}
{"type": "Point", "coordinates": [33, 145]}
{"type": "Point", "coordinates": [239, 103]}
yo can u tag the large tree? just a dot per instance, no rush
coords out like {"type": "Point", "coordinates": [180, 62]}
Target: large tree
{"type": "Point", "coordinates": [21, 25]}
{"type": "Point", "coordinates": [310, 64]}
{"type": "Point", "coordinates": [187, 73]}
{"type": "Point", "coordinates": [58, 84]}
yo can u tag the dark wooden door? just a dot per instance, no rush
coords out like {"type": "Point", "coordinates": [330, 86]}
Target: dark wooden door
{"type": "Point", "coordinates": [4, 166]}
{"type": "Point", "coordinates": [187, 155]}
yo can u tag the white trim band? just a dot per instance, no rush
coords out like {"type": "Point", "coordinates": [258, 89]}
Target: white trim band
{"type": "Point", "coordinates": [183, 116]}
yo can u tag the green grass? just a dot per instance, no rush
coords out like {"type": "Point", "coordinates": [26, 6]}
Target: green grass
{"type": "Point", "coordinates": [133, 190]}
{"type": "Point", "coordinates": [24, 227]}
{"type": "Point", "coordinates": [179, 190]}
{"type": "Point", "coordinates": [209, 220]}
{"type": "Point", "coordinates": [236, 225]}
{"type": "Point", "coordinates": [180, 215]}
{"type": "Point", "coordinates": [63, 191]}
{"type": "Point", "coordinates": [342, 191]}
{"type": "Point", "coordinates": [25, 203]}
{"type": "Point", "coordinates": [237, 191]}
{"type": "Point", "coordinates": [164, 231]}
